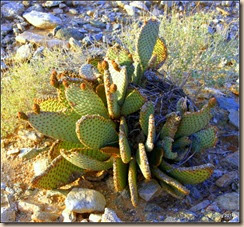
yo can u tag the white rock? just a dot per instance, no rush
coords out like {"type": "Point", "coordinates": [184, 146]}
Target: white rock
{"type": "Point", "coordinates": [110, 216]}
{"type": "Point", "coordinates": [139, 5]}
{"type": "Point", "coordinates": [25, 206]}
{"type": "Point", "coordinates": [40, 165]}
{"type": "Point", "coordinates": [41, 216]}
{"type": "Point", "coordinates": [95, 217]}
{"type": "Point", "coordinates": [42, 20]}
{"type": "Point", "coordinates": [12, 9]}
{"type": "Point", "coordinates": [73, 11]}
{"type": "Point", "coordinates": [24, 52]}
{"type": "Point", "coordinates": [69, 216]}
{"type": "Point", "coordinates": [7, 214]}
{"type": "Point", "coordinates": [84, 220]}
{"type": "Point", "coordinates": [131, 10]}
{"type": "Point", "coordinates": [82, 200]}
{"type": "Point", "coordinates": [228, 201]}
{"type": "Point", "coordinates": [57, 11]}
{"type": "Point", "coordinates": [148, 188]}
{"type": "Point", "coordinates": [13, 151]}
{"type": "Point", "coordinates": [51, 3]}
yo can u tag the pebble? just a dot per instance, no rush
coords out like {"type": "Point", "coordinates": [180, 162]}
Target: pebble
{"type": "Point", "coordinates": [200, 206]}
{"type": "Point", "coordinates": [213, 216]}
{"type": "Point", "coordinates": [98, 36]}
{"type": "Point", "coordinates": [139, 5]}
{"type": "Point", "coordinates": [40, 165]}
{"type": "Point", "coordinates": [232, 159]}
{"type": "Point", "coordinates": [82, 200]}
{"type": "Point", "coordinates": [13, 151]}
{"type": "Point", "coordinates": [110, 216]}
{"type": "Point", "coordinates": [131, 10]}
{"type": "Point", "coordinates": [153, 207]}
{"type": "Point", "coordinates": [68, 216]}
{"type": "Point", "coordinates": [213, 207]}
{"type": "Point", "coordinates": [6, 28]}
{"type": "Point", "coordinates": [228, 201]}
{"type": "Point", "coordinates": [41, 216]}
{"type": "Point", "coordinates": [51, 3]}
{"type": "Point", "coordinates": [227, 179]}
{"type": "Point", "coordinates": [7, 214]}
{"type": "Point", "coordinates": [227, 103]}
{"type": "Point", "coordinates": [36, 7]}
{"type": "Point", "coordinates": [24, 52]}
{"type": "Point", "coordinates": [42, 20]}
{"type": "Point", "coordinates": [26, 134]}
{"type": "Point", "coordinates": [234, 118]}
{"type": "Point", "coordinates": [25, 206]}
{"type": "Point", "coordinates": [11, 9]}
{"type": "Point", "coordinates": [65, 33]}
{"type": "Point", "coordinates": [147, 189]}
{"type": "Point", "coordinates": [57, 11]}
{"type": "Point", "coordinates": [73, 11]}
{"type": "Point", "coordinates": [95, 217]}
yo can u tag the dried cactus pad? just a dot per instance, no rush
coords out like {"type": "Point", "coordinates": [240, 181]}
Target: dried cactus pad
{"type": "Point", "coordinates": [56, 125]}
{"type": "Point", "coordinates": [160, 50]}
{"type": "Point", "coordinates": [188, 175]}
{"type": "Point", "coordinates": [88, 72]}
{"type": "Point", "coordinates": [120, 171]}
{"type": "Point", "coordinates": [132, 180]}
{"type": "Point", "coordinates": [149, 145]}
{"type": "Point", "coordinates": [59, 173]}
{"type": "Point", "coordinates": [89, 159]}
{"type": "Point", "coordinates": [95, 131]}
{"type": "Point", "coordinates": [133, 102]}
{"type": "Point", "coordinates": [146, 110]}
{"type": "Point", "coordinates": [146, 41]}
{"type": "Point", "coordinates": [85, 101]}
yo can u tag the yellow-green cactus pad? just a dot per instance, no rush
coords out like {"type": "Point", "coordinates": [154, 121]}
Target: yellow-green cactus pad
{"type": "Point", "coordinates": [137, 73]}
{"type": "Point", "coordinates": [124, 146]}
{"type": "Point", "coordinates": [133, 102]}
{"type": "Point", "coordinates": [146, 110]}
{"type": "Point", "coordinates": [166, 144]}
{"type": "Point", "coordinates": [120, 174]}
{"type": "Point", "coordinates": [188, 175]}
{"type": "Point", "coordinates": [85, 101]}
{"type": "Point", "coordinates": [172, 190]}
{"type": "Point", "coordinates": [56, 125]}
{"type": "Point", "coordinates": [170, 127]}
{"type": "Point", "coordinates": [160, 50]}
{"type": "Point", "coordinates": [88, 72]}
{"type": "Point", "coordinates": [194, 121]}
{"type": "Point", "coordinates": [156, 156]}
{"type": "Point", "coordinates": [204, 139]}
{"type": "Point", "coordinates": [132, 180]}
{"type": "Point", "coordinates": [50, 104]}
{"type": "Point", "coordinates": [146, 41]}
{"type": "Point", "coordinates": [142, 161]}
{"type": "Point", "coordinates": [149, 145]}
{"type": "Point", "coordinates": [89, 159]}
{"type": "Point", "coordinates": [100, 90]}
{"type": "Point", "coordinates": [95, 131]}
{"type": "Point", "coordinates": [169, 181]}
{"type": "Point", "coordinates": [181, 143]}
{"type": "Point", "coordinates": [59, 173]}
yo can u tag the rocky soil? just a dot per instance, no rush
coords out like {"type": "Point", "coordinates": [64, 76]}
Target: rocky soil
{"type": "Point", "coordinates": [31, 26]}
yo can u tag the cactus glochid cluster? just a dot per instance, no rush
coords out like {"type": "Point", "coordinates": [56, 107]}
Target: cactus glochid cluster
{"type": "Point", "coordinates": [89, 120]}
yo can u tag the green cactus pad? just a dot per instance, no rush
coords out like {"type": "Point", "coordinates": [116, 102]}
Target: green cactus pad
{"type": "Point", "coordinates": [171, 125]}
{"type": "Point", "coordinates": [204, 139]}
{"type": "Point", "coordinates": [193, 122]}
{"type": "Point", "coordinates": [100, 90]}
{"type": "Point", "coordinates": [169, 181]}
{"type": "Point", "coordinates": [120, 174]}
{"type": "Point", "coordinates": [132, 180]}
{"type": "Point", "coordinates": [137, 73]}
{"type": "Point", "coordinates": [160, 50]}
{"type": "Point", "coordinates": [188, 175]}
{"type": "Point", "coordinates": [172, 190]}
{"type": "Point", "coordinates": [182, 142]}
{"type": "Point", "coordinates": [85, 101]}
{"type": "Point", "coordinates": [50, 104]}
{"type": "Point", "coordinates": [59, 173]}
{"type": "Point", "coordinates": [149, 145]}
{"type": "Point", "coordinates": [89, 159]}
{"type": "Point", "coordinates": [166, 144]}
{"type": "Point", "coordinates": [124, 147]}
{"type": "Point", "coordinates": [142, 161]}
{"type": "Point", "coordinates": [156, 156]}
{"type": "Point", "coordinates": [146, 41]}
{"type": "Point", "coordinates": [181, 105]}
{"type": "Point", "coordinates": [112, 99]}
{"type": "Point", "coordinates": [88, 72]}
{"type": "Point", "coordinates": [56, 125]}
{"type": "Point", "coordinates": [95, 131]}
{"type": "Point", "coordinates": [146, 110]}
{"type": "Point", "coordinates": [123, 125]}
{"type": "Point", "coordinates": [133, 102]}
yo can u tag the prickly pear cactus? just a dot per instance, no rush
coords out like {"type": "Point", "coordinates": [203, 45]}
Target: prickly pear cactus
{"type": "Point", "coordinates": [90, 121]}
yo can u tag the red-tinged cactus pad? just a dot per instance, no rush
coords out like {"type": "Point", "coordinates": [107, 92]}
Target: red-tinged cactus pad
{"type": "Point", "coordinates": [160, 50]}
{"type": "Point", "coordinates": [146, 110]}
{"type": "Point", "coordinates": [95, 131]}
{"type": "Point", "coordinates": [85, 101]}
{"type": "Point", "coordinates": [188, 175]}
{"type": "Point", "coordinates": [56, 125]}
{"type": "Point", "coordinates": [133, 102]}
{"type": "Point", "coordinates": [204, 139]}
{"type": "Point", "coordinates": [89, 159]}
{"type": "Point", "coordinates": [132, 180]}
{"type": "Point", "coordinates": [120, 174]}
{"type": "Point", "coordinates": [146, 41]}
{"type": "Point", "coordinates": [194, 121]}
{"type": "Point", "coordinates": [142, 161]}
{"type": "Point", "coordinates": [149, 145]}
{"type": "Point", "coordinates": [169, 181]}
{"type": "Point", "coordinates": [59, 173]}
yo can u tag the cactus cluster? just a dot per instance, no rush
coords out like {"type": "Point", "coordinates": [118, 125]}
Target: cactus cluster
{"type": "Point", "coordinates": [89, 120]}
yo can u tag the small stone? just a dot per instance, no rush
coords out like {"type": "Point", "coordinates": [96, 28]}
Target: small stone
{"type": "Point", "coordinates": [57, 11]}
{"type": "Point", "coordinates": [228, 201]}
{"type": "Point", "coordinates": [26, 3]}
{"type": "Point", "coordinates": [24, 52]}
{"type": "Point", "coordinates": [66, 33]}
{"type": "Point", "coordinates": [153, 208]}
{"type": "Point", "coordinates": [234, 118]}
{"type": "Point", "coordinates": [62, 5]}
{"type": "Point", "coordinates": [131, 10]}
{"type": "Point", "coordinates": [3, 185]}
{"type": "Point", "coordinates": [12, 9]}
{"type": "Point", "coordinates": [213, 207]}
{"type": "Point", "coordinates": [51, 3]}
{"type": "Point", "coordinates": [40, 165]}
{"type": "Point", "coordinates": [232, 159]}
{"type": "Point", "coordinates": [227, 103]}
{"type": "Point", "coordinates": [110, 216]}
{"type": "Point", "coordinates": [227, 179]}
{"type": "Point", "coordinates": [35, 7]}
{"type": "Point", "coordinates": [41, 216]}
{"type": "Point", "coordinates": [73, 11]}
{"type": "Point", "coordinates": [13, 151]}
{"type": "Point", "coordinates": [82, 200]}
{"type": "Point", "coordinates": [214, 216]}
{"type": "Point", "coordinates": [6, 28]}
{"type": "Point", "coordinates": [148, 189]}
{"type": "Point", "coordinates": [78, 3]}
{"type": "Point", "coordinates": [200, 206]}
{"type": "Point", "coordinates": [84, 220]}
{"type": "Point", "coordinates": [68, 216]}
{"type": "Point", "coordinates": [116, 26]}
{"type": "Point", "coordinates": [25, 206]}
{"type": "Point", "coordinates": [98, 36]}
{"type": "Point", "coordinates": [139, 5]}
{"type": "Point", "coordinates": [7, 214]}
{"type": "Point", "coordinates": [42, 20]}
{"type": "Point", "coordinates": [95, 217]}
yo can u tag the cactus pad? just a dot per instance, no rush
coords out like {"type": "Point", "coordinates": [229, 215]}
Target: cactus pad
{"type": "Point", "coordinates": [95, 131]}
{"type": "Point", "coordinates": [100, 90]}
{"type": "Point", "coordinates": [120, 171]}
{"type": "Point", "coordinates": [149, 145]}
{"type": "Point", "coordinates": [124, 146]}
{"type": "Point", "coordinates": [146, 110]}
{"type": "Point", "coordinates": [182, 142]}
{"type": "Point", "coordinates": [59, 173]}
{"type": "Point", "coordinates": [160, 50]}
{"type": "Point", "coordinates": [132, 180]}
{"type": "Point", "coordinates": [156, 156]}
{"type": "Point", "coordinates": [189, 175]}
{"type": "Point", "coordinates": [166, 144]}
